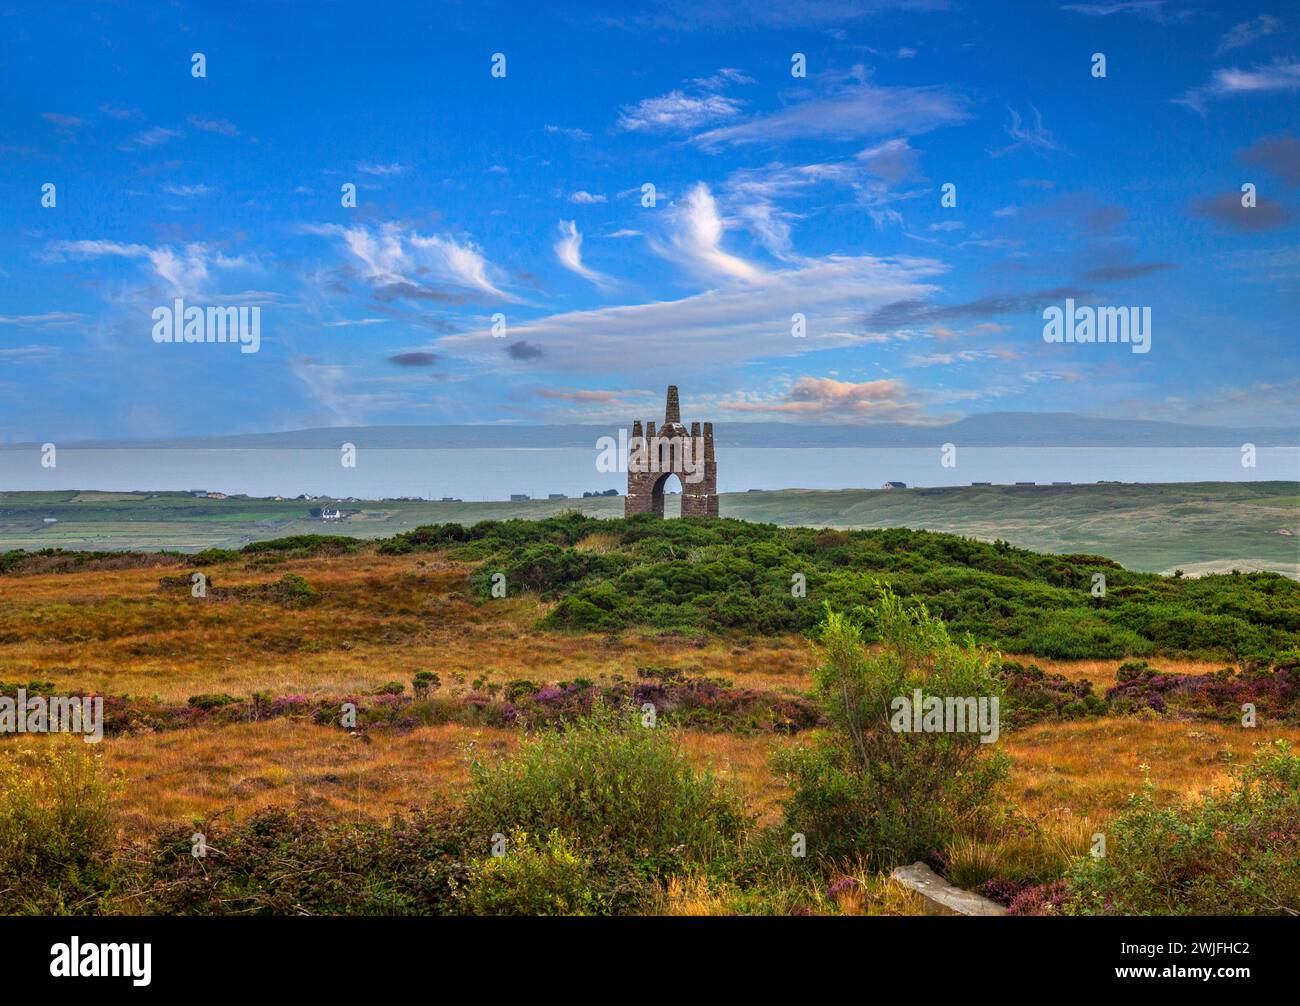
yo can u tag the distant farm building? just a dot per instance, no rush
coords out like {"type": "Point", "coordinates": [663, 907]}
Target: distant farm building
{"type": "Point", "coordinates": [894, 485]}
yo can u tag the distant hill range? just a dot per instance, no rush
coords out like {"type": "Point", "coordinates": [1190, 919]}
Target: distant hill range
{"type": "Point", "coordinates": [993, 429]}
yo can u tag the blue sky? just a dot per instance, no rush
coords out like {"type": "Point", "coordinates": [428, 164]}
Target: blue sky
{"type": "Point", "coordinates": [522, 196]}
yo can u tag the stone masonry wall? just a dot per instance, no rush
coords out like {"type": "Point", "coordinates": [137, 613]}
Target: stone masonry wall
{"type": "Point", "coordinates": [671, 450]}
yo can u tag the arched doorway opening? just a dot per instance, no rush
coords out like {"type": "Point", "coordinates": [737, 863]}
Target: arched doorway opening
{"type": "Point", "coordinates": [666, 496]}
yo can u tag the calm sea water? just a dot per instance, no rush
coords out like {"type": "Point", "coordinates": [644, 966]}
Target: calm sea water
{"type": "Point", "coordinates": [495, 474]}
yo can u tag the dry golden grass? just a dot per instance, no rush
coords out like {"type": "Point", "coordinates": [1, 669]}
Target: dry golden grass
{"type": "Point", "coordinates": [1090, 767]}
{"type": "Point", "coordinates": [383, 618]}
{"type": "Point", "coordinates": [183, 774]}
{"type": "Point", "coordinates": [599, 541]}
{"type": "Point", "coordinates": [874, 894]}
{"type": "Point", "coordinates": [745, 762]}
{"type": "Point", "coordinates": [1102, 672]}
{"type": "Point", "coordinates": [1061, 773]}
{"type": "Point", "coordinates": [236, 770]}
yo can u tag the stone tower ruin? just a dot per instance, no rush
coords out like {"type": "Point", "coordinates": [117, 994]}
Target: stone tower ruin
{"type": "Point", "coordinates": [671, 450]}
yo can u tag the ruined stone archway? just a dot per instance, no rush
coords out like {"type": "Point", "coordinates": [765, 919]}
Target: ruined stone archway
{"type": "Point", "coordinates": [653, 456]}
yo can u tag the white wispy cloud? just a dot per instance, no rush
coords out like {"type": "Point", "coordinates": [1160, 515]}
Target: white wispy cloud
{"type": "Point", "coordinates": [50, 319]}
{"type": "Point", "coordinates": [770, 224]}
{"type": "Point", "coordinates": [572, 132]}
{"type": "Point", "coordinates": [65, 122]}
{"type": "Point", "coordinates": [381, 169]}
{"type": "Point", "coordinates": [851, 111]}
{"type": "Point", "coordinates": [719, 326]}
{"type": "Point", "coordinates": [871, 174]}
{"type": "Point", "coordinates": [185, 271]}
{"type": "Point", "coordinates": [148, 138]}
{"type": "Point", "coordinates": [1279, 77]}
{"type": "Point", "coordinates": [568, 249]}
{"type": "Point", "coordinates": [28, 354]}
{"type": "Point", "coordinates": [723, 78]}
{"type": "Point", "coordinates": [586, 198]}
{"type": "Point", "coordinates": [1152, 10]}
{"type": "Point", "coordinates": [1035, 136]}
{"type": "Point", "coordinates": [1249, 32]}
{"type": "Point", "coordinates": [394, 256]}
{"type": "Point", "coordinates": [695, 239]}
{"type": "Point", "coordinates": [219, 126]}
{"type": "Point", "coordinates": [677, 110]}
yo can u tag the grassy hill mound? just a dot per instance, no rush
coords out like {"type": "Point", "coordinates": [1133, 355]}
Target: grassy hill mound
{"type": "Point", "coordinates": [761, 578]}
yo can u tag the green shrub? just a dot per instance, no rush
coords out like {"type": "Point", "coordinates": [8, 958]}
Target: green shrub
{"type": "Point", "coordinates": [1234, 853]}
{"type": "Point", "coordinates": [520, 688]}
{"type": "Point", "coordinates": [865, 790]}
{"type": "Point", "coordinates": [536, 876]}
{"type": "Point", "coordinates": [617, 789]}
{"type": "Point", "coordinates": [545, 568]}
{"type": "Point", "coordinates": [714, 573]}
{"type": "Point", "coordinates": [302, 545]}
{"type": "Point", "coordinates": [292, 590]}
{"type": "Point", "coordinates": [57, 828]}
{"type": "Point", "coordinates": [280, 862]}
{"type": "Point", "coordinates": [211, 700]}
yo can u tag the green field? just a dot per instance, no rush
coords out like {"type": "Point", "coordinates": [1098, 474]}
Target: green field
{"type": "Point", "coordinates": [1197, 527]}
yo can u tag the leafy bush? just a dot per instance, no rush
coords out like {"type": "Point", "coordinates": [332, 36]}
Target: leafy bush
{"type": "Point", "coordinates": [290, 590]}
{"type": "Point", "coordinates": [711, 573]}
{"type": "Point", "coordinates": [615, 788]}
{"type": "Point", "coordinates": [1235, 853]}
{"type": "Point", "coordinates": [57, 828]}
{"type": "Point", "coordinates": [211, 700]}
{"type": "Point", "coordinates": [302, 545]}
{"type": "Point", "coordinates": [867, 791]}
{"type": "Point", "coordinates": [1032, 695]}
{"type": "Point", "coordinates": [537, 876]}
{"type": "Point", "coordinates": [546, 568]}
{"type": "Point", "coordinates": [285, 863]}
